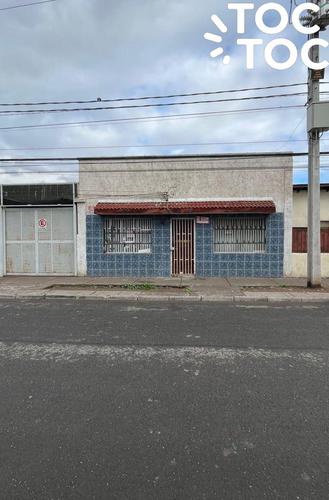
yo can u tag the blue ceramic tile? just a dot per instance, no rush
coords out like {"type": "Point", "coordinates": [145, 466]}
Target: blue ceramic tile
{"type": "Point", "coordinates": [208, 263]}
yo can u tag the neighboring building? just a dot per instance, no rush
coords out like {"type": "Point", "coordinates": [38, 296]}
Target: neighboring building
{"type": "Point", "coordinates": [225, 216]}
{"type": "Point", "coordinates": [37, 229]}
{"type": "Point", "coordinates": [299, 232]}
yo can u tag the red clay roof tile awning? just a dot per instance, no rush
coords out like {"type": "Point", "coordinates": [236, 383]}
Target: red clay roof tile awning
{"type": "Point", "coordinates": [186, 207]}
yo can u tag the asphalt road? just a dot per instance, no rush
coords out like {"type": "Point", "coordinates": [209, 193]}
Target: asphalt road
{"type": "Point", "coordinates": [129, 401]}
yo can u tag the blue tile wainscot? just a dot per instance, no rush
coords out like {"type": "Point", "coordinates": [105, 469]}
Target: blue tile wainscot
{"type": "Point", "coordinates": [208, 263]}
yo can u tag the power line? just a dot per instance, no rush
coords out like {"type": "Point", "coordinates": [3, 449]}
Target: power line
{"type": "Point", "coordinates": [178, 116]}
{"type": "Point", "coordinates": [142, 98]}
{"type": "Point", "coordinates": [145, 159]}
{"type": "Point", "coordinates": [27, 4]}
{"type": "Point", "coordinates": [296, 128]}
{"type": "Point", "coordinates": [138, 106]}
{"type": "Point", "coordinates": [21, 163]}
{"type": "Point", "coordinates": [122, 146]}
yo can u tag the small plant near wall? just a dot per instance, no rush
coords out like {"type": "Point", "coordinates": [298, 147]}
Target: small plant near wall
{"type": "Point", "coordinates": [139, 286]}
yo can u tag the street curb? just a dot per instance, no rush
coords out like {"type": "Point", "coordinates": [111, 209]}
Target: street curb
{"type": "Point", "coordinates": [235, 299]}
{"type": "Point", "coordinates": [239, 299]}
{"type": "Point", "coordinates": [217, 298]}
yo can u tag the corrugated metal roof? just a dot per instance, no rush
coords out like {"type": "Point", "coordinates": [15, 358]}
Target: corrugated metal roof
{"type": "Point", "coordinates": [186, 207]}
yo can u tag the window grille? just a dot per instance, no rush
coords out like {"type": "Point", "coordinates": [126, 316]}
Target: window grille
{"type": "Point", "coordinates": [127, 235]}
{"type": "Point", "coordinates": [240, 234]}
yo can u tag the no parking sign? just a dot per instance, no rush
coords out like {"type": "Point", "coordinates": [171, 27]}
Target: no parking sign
{"type": "Point", "coordinates": [43, 224]}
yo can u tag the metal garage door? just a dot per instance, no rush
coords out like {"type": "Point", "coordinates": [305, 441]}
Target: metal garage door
{"type": "Point", "coordinates": [39, 241]}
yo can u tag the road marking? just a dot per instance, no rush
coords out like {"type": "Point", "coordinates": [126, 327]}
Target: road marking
{"type": "Point", "coordinates": [271, 306]}
{"type": "Point", "coordinates": [136, 308]}
{"type": "Point", "coordinates": [184, 356]}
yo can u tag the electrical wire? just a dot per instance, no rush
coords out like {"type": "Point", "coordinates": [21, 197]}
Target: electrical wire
{"type": "Point", "coordinates": [154, 97]}
{"type": "Point", "coordinates": [178, 116]}
{"type": "Point", "coordinates": [168, 96]}
{"type": "Point", "coordinates": [194, 157]}
{"type": "Point", "coordinates": [298, 124]}
{"type": "Point", "coordinates": [27, 4]}
{"type": "Point", "coordinates": [182, 144]}
{"type": "Point", "coordinates": [138, 106]}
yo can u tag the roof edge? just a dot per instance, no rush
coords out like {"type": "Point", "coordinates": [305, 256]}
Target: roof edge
{"type": "Point", "coordinates": [186, 208]}
{"type": "Point", "coordinates": [268, 154]}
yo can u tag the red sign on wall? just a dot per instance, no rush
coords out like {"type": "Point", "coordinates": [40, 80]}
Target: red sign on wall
{"type": "Point", "coordinates": [43, 223]}
{"type": "Point", "coordinates": [202, 220]}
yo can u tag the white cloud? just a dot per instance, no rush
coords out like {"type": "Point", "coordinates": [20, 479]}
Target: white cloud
{"type": "Point", "coordinates": [78, 49]}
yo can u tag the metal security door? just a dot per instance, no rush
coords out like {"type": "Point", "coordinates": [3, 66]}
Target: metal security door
{"type": "Point", "coordinates": [182, 240]}
{"type": "Point", "coordinates": [55, 240]}
{"type": "Point", "coordinates": [39, 241]}
{"type": "Point", "coordinates": [20, 241]}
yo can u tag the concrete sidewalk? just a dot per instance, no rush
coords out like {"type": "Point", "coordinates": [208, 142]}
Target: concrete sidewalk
{"type": "Point", "coordinates": [174, 289]}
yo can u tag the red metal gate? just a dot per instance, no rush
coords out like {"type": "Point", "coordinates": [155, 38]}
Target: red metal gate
{"type": "Point", "coordinates": [182, 241]}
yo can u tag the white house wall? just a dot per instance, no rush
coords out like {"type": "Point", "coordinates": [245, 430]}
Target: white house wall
{"type": "Point", "coordinates": [187, 178]}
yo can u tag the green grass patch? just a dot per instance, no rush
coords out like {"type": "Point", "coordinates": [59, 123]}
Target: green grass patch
{"type": "Point", "coordinates": [138, 286]}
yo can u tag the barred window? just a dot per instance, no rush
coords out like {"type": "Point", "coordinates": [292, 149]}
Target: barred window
{"type": "Point", "coordinates": [234, 234]}
{"type": "Point", "coordinates": [127, 235]}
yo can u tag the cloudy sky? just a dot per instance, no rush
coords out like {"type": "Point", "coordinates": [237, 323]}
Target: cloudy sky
{"type": "Point", "coordinates": [84, 49]}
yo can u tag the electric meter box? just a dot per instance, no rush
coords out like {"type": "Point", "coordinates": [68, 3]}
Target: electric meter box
{"type": "Point", "coordinates": [318, 116]}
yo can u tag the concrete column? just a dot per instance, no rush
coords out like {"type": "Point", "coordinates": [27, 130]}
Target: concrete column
{"type": "Point", "coordinates": [313, 233]}
{"type": "Point", "coordinates": [288, 192]}
{"type": "Point", "coordinates": [314, 244]}
{"type": "Point", "coordinates": [81, 240]}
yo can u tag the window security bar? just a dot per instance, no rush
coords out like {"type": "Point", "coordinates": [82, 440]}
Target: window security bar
{"type": "Point", "coordinates": [127, 235]}
{"type": "Point", "coordinates": [240, 234]}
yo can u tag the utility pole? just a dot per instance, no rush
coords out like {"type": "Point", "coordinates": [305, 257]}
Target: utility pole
{"type": "Point", "coordinates": [313, 233]}
{"type": "Point", "coordinates": [317, 123]}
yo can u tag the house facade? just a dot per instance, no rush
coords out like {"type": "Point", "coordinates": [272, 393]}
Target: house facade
{"type": "Point", "coordinates": [208, 216]}
{"type": "Point", "coordinates": [231, 216]}
{"type": "Point", "coordinates": [299, 230]}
